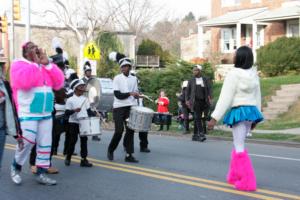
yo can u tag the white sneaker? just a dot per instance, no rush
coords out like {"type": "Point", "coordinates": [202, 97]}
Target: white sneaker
{"type": "Point", "coordinates": [15, 175]}
{"type": "Point", "coordinates": [45, 180]}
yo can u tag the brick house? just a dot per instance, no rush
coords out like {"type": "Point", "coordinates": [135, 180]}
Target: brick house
{"type": "Point", "coordinates": [249, 22]}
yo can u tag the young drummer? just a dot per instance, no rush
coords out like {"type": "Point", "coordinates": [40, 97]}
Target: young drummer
{"type": "Point", "coordinates": [77, 107]}
{"type": "Point", "coordinates": [126, 93]}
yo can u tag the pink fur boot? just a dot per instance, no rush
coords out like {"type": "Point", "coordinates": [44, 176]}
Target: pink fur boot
{"type": "Point", "coordinates": [232, 174]}
{"type": "Point", "coordinates": [246, 179]}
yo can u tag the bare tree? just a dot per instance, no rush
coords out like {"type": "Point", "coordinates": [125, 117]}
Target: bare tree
{"type": "Point", "coordinates": [134, 15]}
{"type": "Point", "coordinates": [83, 18]}
{"type": "Point", "coordinates": [169, 32]}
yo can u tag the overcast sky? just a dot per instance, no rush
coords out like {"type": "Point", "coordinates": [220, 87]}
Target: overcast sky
{"type": "Point", "coordinates": [180, 8]}
{"type": "Point", "coordinates": [172, 8]}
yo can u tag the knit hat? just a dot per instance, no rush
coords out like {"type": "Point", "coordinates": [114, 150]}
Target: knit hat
{"type": "Point", "coordinates": [120, 58]}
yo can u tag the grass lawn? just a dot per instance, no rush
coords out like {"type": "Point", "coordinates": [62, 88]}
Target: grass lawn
{"type": "Point", "coordinates": [268, 86]}
{"type": "Point", "coordinates": [175, 130]}
{"type": "Point", "coordinates": [291, 119]}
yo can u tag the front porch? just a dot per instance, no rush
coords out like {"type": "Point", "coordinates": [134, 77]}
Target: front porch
{"type": "Point", "coordinates": [251, 27]}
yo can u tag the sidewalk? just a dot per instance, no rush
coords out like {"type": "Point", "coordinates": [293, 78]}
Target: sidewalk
{"type": "Point", "coordinates": [293, 131]}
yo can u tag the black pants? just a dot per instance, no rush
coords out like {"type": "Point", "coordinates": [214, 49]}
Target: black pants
{"type": "Point", "coordinates": [163, 119]}
{"type": "Point", "coordinates": [120, 115]}
{"type": "Point", "coordinates": [67, 138]}
{"type": "Point", "coordinates": [200, 109]}
{"type": "Point", "coordinates": [186, 121]}
{"type": "Point", "coordinates": [143, 140]}
{"type": "Point", "coordinates": [59, 127]}
{"type": "Point", "coordinates": [74, 133]}
{"type": "Point", "coordinates": [33, 156]}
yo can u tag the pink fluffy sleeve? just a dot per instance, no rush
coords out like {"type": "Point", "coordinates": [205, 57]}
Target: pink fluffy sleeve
{"type": "Point", "coordinates": [56, 76]}
{"type": "Point", "coordinates": [24, 75]}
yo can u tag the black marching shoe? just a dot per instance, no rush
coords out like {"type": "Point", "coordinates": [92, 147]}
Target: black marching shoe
{"type": "Point", "coordinates": [131, 159]}
{"type": "Point", "coordinates": [85, 163]}
{"type": "Point", "coordinates": [196, 138]}
{"type": "Point", "coordinates": [67, 162]}
{"type": "Point", "coordinates": [202, 139]}
{"type": "Point", "coordinates": [145, 150]}
{"type": "Point", "coordinates": [96, 138]}
{"type": "Point", "coordinates": [110, 155]}
{"type": "Point", "coordinates": [55, 152]}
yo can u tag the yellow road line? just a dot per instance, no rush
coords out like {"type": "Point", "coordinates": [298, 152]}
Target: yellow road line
{"type": "Point", "coordinates": [201, 185]}
{"type": "Point", "coordinates": [189, 177]}
{"type": "Point", "coordinates": [143, 172]}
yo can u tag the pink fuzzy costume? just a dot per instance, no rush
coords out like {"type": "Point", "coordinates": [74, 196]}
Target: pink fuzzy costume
{"type": "Point", "coordinates": [32, 86]}
{"type": "Point", "coordinates": [241, 173]}
{"type": "Point", "coordinates": [26, 75]}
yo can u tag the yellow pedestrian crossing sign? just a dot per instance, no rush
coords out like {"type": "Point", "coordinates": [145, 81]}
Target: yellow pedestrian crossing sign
{"type": "Point", "coordinates": [91, 51]}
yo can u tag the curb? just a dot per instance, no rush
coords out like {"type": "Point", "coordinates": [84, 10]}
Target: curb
{"type": "Point", "coordinates": [256, 141]}
{"type": "Point", "coordinates": [219, 138]}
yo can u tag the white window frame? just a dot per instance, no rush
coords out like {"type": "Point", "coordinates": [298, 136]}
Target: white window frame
{"type": "Point", "coordinates": [288, 27]}
{"type": "Point", "coordinates": [260, 36]}
{"type": "Point", "coordinates": [227, 3]}
{"type": "Point", "coordinates": [231, 41]}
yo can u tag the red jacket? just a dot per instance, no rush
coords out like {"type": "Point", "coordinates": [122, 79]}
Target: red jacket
{"type": "Point", "coordinates": [162, 105]}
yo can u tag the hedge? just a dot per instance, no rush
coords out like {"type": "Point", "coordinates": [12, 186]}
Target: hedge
{"type": "Point", "coordinates": [280, 57]}
{"type": "Point", "coordinates": [168, 79]}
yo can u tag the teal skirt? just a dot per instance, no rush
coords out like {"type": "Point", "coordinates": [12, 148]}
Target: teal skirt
{"type": "Point", "coordinates": [243, 113]}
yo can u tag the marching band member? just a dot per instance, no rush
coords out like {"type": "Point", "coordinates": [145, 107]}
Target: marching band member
{"type": "Point", "coordinates": [126, 92]}
{"type": "Point", "coordinates": [87, 72]}
{"type": "Point", "coordinates": [143, 136]}
{"type": "Point", "coordinates": [77, 107]}
{"type": "Point", "coordinates": [88, 76]}
{"type": "Point", "coordinates": [33, 79]}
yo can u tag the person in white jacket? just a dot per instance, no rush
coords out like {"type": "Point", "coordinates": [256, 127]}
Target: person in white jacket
{"type": "Point", "coordinates": [241, 95]}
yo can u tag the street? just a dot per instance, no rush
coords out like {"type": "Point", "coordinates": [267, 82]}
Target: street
{"type": "Point", "coordinates": [176, 169]}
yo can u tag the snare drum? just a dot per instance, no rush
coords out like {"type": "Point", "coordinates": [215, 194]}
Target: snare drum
{"type": "Point", "coordinates": [89, 126]}
{"type": "Point", "coordinates": [140, 118]}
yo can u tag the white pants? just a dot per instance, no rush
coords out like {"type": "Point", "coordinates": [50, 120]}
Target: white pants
{"type": "Point", "coordinates": [39, 133]}
{"type": "Point", "coordinates": [239, 132]}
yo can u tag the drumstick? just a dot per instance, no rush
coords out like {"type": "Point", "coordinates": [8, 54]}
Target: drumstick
{"type": "Point", "coordinates": [147, 97]}
{"type": "Point", "coordinates": [83, 103]}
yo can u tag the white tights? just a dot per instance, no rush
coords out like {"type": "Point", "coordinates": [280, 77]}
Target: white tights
{"type": "Point", "coordinates": [239, 132]}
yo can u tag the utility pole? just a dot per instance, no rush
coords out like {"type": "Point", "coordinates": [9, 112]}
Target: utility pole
{"type": "Point", "coordinates": [11, 35]}
{"type": "Point", "coordinates": [28, 22]}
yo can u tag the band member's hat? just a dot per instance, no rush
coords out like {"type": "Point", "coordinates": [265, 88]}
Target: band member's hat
{"type": "Point", "coordinates": [120, 58]}
{"type": "Point", "coordinates": [75, 83]}
{"type": "Point", "coordinates": [87, 66]}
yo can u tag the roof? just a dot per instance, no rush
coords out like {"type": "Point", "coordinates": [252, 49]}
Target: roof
{"type": "Point", "coordinates": [233, 17]}
{"type": "Point", "coordinates": [282, 13]}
